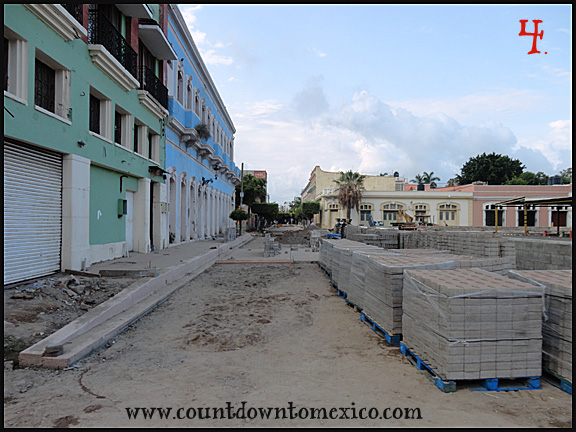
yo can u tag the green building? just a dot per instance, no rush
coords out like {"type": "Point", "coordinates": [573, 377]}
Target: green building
{"type": "Point", "coordinates": [85, 109]}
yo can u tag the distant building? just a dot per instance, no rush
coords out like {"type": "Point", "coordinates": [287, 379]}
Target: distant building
{"type": "Point", "coordinates": [469, 205]}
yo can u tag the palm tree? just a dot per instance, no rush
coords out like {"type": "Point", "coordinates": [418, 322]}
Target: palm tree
{"type": "Point", "coordinates": [418, 179]}
{"type": "Point", "coordinates": [430, 179]}
{"type": "Point", "coordinates": [350, 187]}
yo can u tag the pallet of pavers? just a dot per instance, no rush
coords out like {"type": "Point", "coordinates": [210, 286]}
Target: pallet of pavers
{"type": "Point", "coordinates": [356, 279]}
{"type": "Point", "coordinates": [383, 287]}
{"type": "Point", "coordinates": [557, 322]}
{"type": "Point", "coordinates": [343, 261]}
{"type": "Point", "coordinates": [474, 326]}
{"type": "Point", "coordinates": [499, 265]}
{"type": "Point", "coordinates": [328, 253]}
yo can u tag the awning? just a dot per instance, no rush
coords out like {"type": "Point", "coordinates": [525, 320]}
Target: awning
{"type": "Point", "coordinates": [156, 42]}
{"type": "Point", "coordinates": [541, 202]}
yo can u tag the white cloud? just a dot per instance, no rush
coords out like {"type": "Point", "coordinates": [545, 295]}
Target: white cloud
{"type": "Point", "coordinates": [555, 147]}
{"type": "Point", "coordinates": [478, 105]}
{"type": "Point", "coordinates": [365, 135]}
{"type": "Point", "coordinates": [211, 58]}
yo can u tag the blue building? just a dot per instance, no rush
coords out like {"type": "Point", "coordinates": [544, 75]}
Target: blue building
{"type": "Point", "coordinates": [201, 174]}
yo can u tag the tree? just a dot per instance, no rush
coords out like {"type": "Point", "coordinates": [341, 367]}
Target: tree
{"type": "Point", "coordinates": [493, 168]}
{"type": "Point", "coordinates": [430, 179]}
{"type": "Point", "coordinates": [310, 208]}
{"type": "Point", "coordinates": [566, 175]}
{"type": "Point", "coordinates": [418, 179]}
{"type": "Point", "coordinates": [350, 187]}
{"type": "Point", "coordinates": [254, 190]}
{"type": "Point", "coordinates": [239, 215]}
{"type": "Point", "coordinates": [267, 212]}
{"type": "Point", "coordinates": [529, 178]}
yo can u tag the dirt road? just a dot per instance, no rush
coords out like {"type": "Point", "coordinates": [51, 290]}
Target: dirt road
{"type": "Point", "coordinates": [243, 337]}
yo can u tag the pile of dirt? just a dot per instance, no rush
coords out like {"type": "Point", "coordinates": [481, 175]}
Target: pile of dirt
{"type": "Point", "coordinates": [34, 310]}
{"type": "Point", "coordinates": [296, 236]}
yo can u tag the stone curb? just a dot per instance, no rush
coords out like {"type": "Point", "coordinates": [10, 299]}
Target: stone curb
{"type": "Point", "coordinates": [103, 322]}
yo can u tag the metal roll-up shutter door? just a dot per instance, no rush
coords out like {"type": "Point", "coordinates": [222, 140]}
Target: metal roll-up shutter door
{"type": "Point", "coordinates": [32, 212]}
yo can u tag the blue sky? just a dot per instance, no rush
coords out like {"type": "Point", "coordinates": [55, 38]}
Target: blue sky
{"type": "Point", "coordinates": [380, 88]}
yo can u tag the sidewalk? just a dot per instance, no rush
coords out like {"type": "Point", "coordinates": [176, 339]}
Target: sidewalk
{"type": "Point", "coordinates": [156, 276]}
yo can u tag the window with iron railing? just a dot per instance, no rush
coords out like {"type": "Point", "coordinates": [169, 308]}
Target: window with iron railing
{"type": "Point", "coordinates": [76, 10]}
{"type": "Point", "coordinates": [102, 32]}
{"type": "Point", "coordinates": [152, 84]}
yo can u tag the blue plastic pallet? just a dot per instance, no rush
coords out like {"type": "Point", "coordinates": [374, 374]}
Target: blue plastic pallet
{"type": "Point", "coordinates": [376, 328]}
{"type": "Point", "coordinates": [353, 305]}
{"type": "Point", "coordinates": [485, 384]}
{"type": "Point", "coordinates": [558, 381]}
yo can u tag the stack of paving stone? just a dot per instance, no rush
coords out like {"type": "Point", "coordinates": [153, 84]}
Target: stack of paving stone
{"type": "Point", "coordinates": [342, 260]}
{"type": "Point", "coordinates": [356, 281]}
{"type": "Point", "coordinates": [383, 286]}
{"type": "Point", "coordinates": [557, 324]}
{"type": "Point", "coordinates": [271, 247]}
{"type": "Point", "coordinates": [473, 324]}
{"type": "Point", "coordinates": [499, 265]}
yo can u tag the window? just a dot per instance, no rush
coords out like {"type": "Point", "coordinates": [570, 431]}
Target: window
{"type": "Point", "coordinates": [122, 127]}
{"type": "Point", "coordinates": [117, 127]}
{"type": "Point", "coordinates": [140, 138]}
{"type": "Point", "coordinates": [6, 47]}
{"type": "Point", "coordinates": [15, 65]}
{"type": "Point", "coordinates": [44, 86]}
{"type": "Point", "coordinates": [365, 212]}
{"type": "Point", "coordinates": [100, 114]}
{"type": "Point", "coordinates": [94, 114]}
{"type": "Point", "coordinates": [51, 86]}
{"type": "Point", "coordinates": [153, 146]}
{"type": "Point", "coordinates": [189, 92]}
{"type": "Point", "coordinates": [180, 87]}
{"type": "Point", "coordinates": [490, 212]}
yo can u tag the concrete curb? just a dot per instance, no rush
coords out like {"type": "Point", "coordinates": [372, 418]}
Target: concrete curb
{"type": "Point", "coordinates": [103, 322]}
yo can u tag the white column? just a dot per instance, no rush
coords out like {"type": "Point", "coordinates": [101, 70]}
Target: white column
{"type": "Point", "coordinates": [141, 217]}
{"type": "Point", "coordinates": [75, 213]}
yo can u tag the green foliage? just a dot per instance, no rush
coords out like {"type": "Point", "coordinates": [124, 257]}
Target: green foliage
{"type": "Point", "coordinates": [239, 215]}
{"type": "Point", "coordinates": [267, 210]}
{"type": "Point", "coordinates": [203, 131]}
{"type": "Point", "coordinates": [492, 168]}
{"type": "Point", "coordinates": [566, 175]}
{"type": "Point", "coordinates": [529, 178]}
{"type": "Point", "coordinates": [254, 190]}
{"type": "Point", "coordinates": [310, 208]}
{"type": "Point", "coordinates": [350, 186]}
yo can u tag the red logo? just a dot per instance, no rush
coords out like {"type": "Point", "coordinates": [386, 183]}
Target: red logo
{"type": "Point", "coordinates": [535, 35]}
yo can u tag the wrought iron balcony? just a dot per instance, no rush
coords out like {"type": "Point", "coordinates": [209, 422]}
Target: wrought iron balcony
{"type": "Point", "coordinates": [150, 82]}
{"type": "Point", "coordinates": [102, 32]}
{"type": "Point", "coordinates": [76, 10]}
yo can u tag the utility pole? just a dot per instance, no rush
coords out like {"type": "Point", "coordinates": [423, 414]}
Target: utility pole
{"type": "Point", "coordinates": [241, 191]}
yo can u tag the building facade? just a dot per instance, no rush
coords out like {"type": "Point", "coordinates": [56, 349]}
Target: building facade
{"type": "Point", "coordinates": [85, 109]}
{"type": "Point", "coordinates": [201, 174]}
{"type": "Point", "coordinates": [469, 205]}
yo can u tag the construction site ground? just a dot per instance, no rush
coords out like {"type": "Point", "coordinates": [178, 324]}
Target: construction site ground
{"type": "Point", "coordinates": [241, 338]}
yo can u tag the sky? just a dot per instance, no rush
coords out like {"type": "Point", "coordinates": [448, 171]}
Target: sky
{"type": "Point", "coordinates": [388, 88]}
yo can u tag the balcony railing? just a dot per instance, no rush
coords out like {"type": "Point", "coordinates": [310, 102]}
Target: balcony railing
{"type": "Point", "coordinates": [102, 32]}
{"type": "Point", "coordinates": [150, 82]}
{"type": "Point", "coordinates": [76, 10]}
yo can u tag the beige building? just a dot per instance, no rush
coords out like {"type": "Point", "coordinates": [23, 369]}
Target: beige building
{"type": "Point", "coordinates": [469, 205]}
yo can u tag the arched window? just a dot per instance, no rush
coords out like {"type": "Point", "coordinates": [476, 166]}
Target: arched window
{"type": "Point", "coordinates": [366, 212]}
{"type": "Point", "coordinates": [448, 214]}
{"type": "Point", "coordinates": [180, 87]}
{"type": "Point", "coordinates": [189, 95]}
